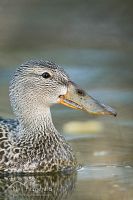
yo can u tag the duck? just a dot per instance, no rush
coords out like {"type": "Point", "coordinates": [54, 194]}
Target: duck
{"type": "Point", "coordinates": [30, 143]}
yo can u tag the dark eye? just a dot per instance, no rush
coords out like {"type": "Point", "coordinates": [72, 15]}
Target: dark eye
{"type": "Point", "coordinates": [46, 75]}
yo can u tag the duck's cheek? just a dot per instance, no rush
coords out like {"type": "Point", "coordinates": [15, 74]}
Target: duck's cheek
{"type": "Point", "coordinates": [56, 93]}
{"type": "Point", "coordinates": [62, 91]}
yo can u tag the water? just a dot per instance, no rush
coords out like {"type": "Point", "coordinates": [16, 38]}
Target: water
{"type": "Point", "coordinates": [105, 156]}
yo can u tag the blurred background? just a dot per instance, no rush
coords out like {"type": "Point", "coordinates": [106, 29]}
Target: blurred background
{"type": "Point", "coordinates": [93, 41]}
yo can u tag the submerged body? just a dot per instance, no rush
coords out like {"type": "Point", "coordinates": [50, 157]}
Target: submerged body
{"type": "Point", "coordinates": [31, 144]}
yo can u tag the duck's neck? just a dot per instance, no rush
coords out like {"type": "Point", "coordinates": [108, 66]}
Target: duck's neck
{"type": "Point", "coordinates": [33, 114]}
{"type": "Point", "coordinates": [38, 133]}
{"type": "Point", "coordinates": [36, 122]}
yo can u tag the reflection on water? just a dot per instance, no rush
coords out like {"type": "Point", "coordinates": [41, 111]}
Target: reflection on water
{"type": "Point", "coordinates": [57, 186]}
{"type": "Point", "coordinates": [91, 182]}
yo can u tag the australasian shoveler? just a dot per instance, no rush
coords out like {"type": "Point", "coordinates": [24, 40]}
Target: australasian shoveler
{"type": "Point", "coordinates": [31, 144]}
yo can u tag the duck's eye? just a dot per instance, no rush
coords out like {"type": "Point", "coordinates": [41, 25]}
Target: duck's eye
{"type": "Point", "coordinates": [46, 75]}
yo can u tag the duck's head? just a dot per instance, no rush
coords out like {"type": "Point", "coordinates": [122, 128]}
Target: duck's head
{"type": "Point", "coordinates": [43, 83]}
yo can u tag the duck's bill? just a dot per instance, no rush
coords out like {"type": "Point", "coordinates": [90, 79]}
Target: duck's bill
{"type": "Point", "coordinates": [77, 98]}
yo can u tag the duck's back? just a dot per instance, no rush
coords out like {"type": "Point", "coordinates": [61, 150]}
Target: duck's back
{"type": "Point", "coordinates": [8, 126]}
{"type": "Point", "coordinates": [8, 134]}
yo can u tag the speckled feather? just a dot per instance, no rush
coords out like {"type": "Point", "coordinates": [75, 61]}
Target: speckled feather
{"type": "Point", "coordinates": [31, 143]}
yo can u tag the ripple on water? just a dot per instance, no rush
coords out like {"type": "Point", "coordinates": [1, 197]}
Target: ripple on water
{"type": "Point", "coordinates": [119, 172]}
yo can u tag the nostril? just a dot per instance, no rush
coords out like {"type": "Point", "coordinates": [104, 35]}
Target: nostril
{"type": "Point", "coordinates": [80, 92]}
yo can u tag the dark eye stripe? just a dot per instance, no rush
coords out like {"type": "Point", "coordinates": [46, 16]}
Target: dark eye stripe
{"type": "Point", "coordinates": [46, 75]}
